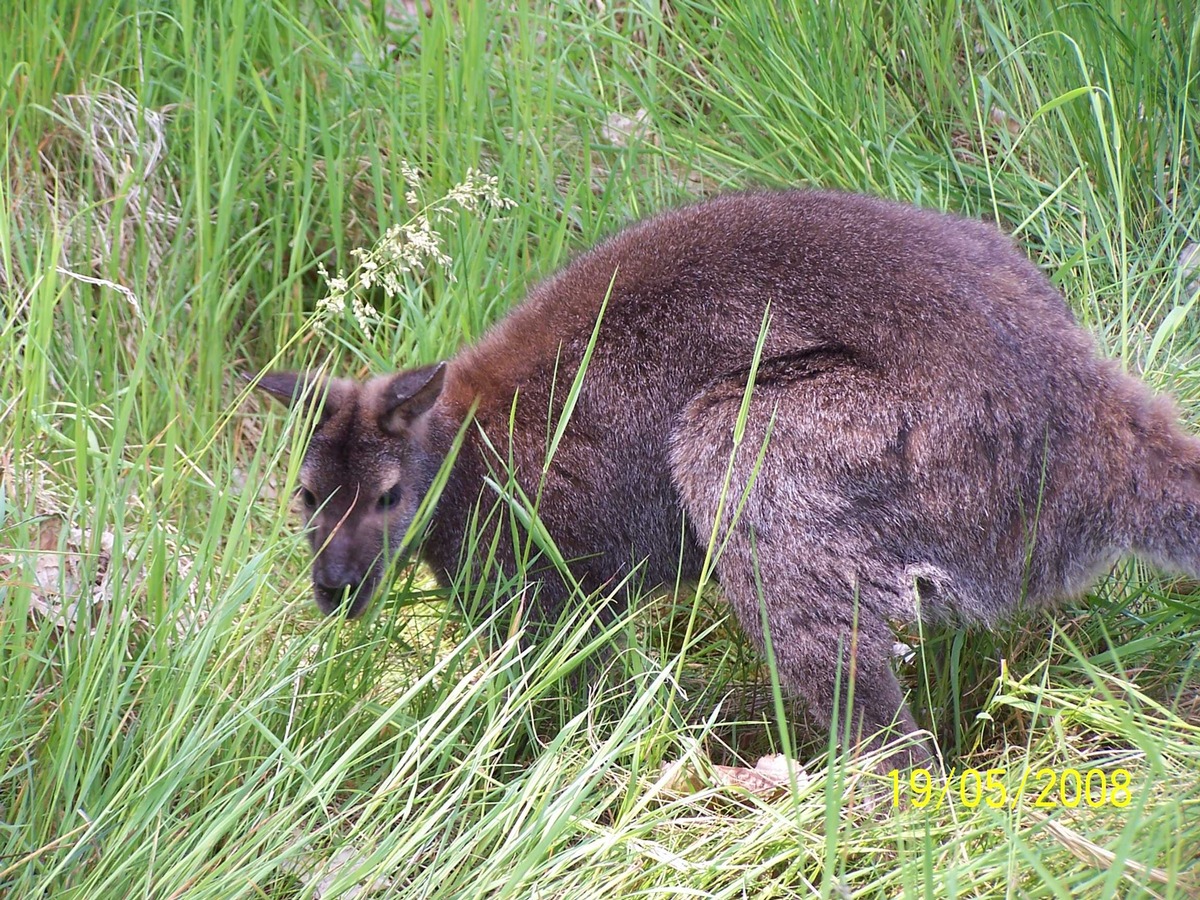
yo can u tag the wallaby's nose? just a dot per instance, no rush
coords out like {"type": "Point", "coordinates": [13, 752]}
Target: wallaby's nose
{"type": "Point", "coordinates": [335, 582]}
{"type": "Point", "coordinates": [335, 577]}
{"type": "Point", "coordinates": [343, 595]}
{"type": "Point", "coordinates": [334, 595]}
{"type": "Point", "coordinates": [336, 587]}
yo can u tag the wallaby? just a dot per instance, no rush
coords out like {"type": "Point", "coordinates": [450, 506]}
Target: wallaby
{"type": "Point", "coordinates": [928, 434]}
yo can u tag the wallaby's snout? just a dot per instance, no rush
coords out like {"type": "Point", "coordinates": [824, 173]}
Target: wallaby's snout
{"type": "Point", "coordinates": [349, 552]}
{"type": "Point", "coordinates": [349, 597]}
{"type": "Point", "coordinates": [342, 583]}
{"type": "Point", "coordinates": [335, 576]}
{"type": "Point", "coordinates": [353, 539]}
{"type": "Point", "coordinates": [363, 477]}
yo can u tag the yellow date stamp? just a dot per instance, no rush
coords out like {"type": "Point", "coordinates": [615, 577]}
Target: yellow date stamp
{"type": "Point", "coordinates": [1070, 788]}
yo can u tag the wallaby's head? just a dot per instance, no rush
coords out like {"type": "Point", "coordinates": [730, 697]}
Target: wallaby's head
{"type": "Point", "coordinates": [367, 468]}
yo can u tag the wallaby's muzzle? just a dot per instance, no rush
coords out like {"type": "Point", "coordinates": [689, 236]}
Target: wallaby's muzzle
{"type": "Point", "coordinates": [343, 583]}
{"type": "Point", "coordinates": [349, 598]}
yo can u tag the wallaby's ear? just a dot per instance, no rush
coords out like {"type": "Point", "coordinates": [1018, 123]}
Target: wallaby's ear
{"type": "Point", "coordinates": [408, 395]}
{"type": "Point", "coordinates": [287, 387]}
{"type": "Point", "coordinates": [307, 388]}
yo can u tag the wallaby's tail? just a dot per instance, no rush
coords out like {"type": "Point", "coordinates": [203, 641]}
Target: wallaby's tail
{"type": "Point", "coordinates": [1166, 488]}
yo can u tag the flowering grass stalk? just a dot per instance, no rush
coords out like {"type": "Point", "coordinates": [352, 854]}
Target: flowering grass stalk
{"type": "Point", "coordinates": [406, 250]}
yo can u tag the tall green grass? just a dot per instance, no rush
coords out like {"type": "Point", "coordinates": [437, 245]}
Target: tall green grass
{"type": "Point", "coordinates": [175, 720]}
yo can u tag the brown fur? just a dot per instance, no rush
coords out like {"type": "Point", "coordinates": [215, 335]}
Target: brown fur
{"type": "Point", "coordinates": [938, 431]}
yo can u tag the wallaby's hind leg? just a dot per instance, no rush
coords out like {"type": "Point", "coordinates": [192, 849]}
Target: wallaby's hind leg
{"type": "Point", "coordinates": [819, 630]}
{"type": "Point", "coordinates": [791, 542]}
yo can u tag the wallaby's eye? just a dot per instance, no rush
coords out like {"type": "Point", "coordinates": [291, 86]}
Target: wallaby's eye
{"type": "Point", "coordinates": [307, 497]}
{"type": "Point", "coordinates": [391, 498]}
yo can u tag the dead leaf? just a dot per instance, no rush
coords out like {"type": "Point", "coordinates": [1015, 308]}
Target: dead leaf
{"type": "Point", "coordinates": [621, 130]}
{"type": "Point", "coordinates": [59, 592]}
{"type": "Point", "coordinates": [1189, 267]}
{"type": "Point", "coordinates": [1005, 120]}
{"type": "Point", "coordinates": [319, 876]}
{"type": "Point", "coordinates": [769, 776]}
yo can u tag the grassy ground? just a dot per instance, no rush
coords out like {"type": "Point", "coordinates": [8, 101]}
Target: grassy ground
{"type": "Point", "coordinates": [175, 721]}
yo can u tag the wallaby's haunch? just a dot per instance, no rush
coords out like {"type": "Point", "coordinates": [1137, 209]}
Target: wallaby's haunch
{"type": "Point", "coordinates": [940, 436]}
